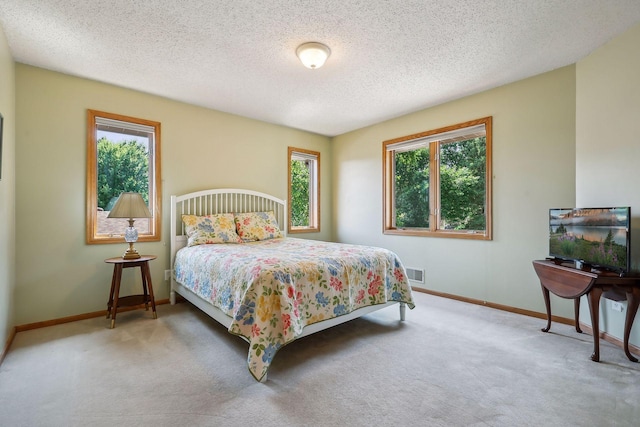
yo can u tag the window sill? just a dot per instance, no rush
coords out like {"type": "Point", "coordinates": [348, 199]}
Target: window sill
{"type": "Point", "coordinates": [469, 235]}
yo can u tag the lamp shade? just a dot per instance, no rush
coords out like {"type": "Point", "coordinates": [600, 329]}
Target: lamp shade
{"type": "Point", "coordinates": [130, 205]}
{"type": "Point", "coordinates": [313, 55]}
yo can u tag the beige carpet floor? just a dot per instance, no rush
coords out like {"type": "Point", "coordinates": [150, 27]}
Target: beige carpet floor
{"type": "Point", "coordinates": [449, 364]}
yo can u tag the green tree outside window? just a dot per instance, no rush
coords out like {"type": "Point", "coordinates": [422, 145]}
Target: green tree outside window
{"type": "Point", "coordinates": [121, 167]}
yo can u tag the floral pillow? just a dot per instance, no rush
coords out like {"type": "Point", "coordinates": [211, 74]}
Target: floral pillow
{"type": "Point", "coordinates": [253, 226]}
{"type": "Point", "coordinates": [208, 229]}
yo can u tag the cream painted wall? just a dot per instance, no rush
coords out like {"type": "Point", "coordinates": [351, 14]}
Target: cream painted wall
{"type": "Point", "coordinates": [608, 146]}
{"type": "Point", "coordinates": [58, 275]}
{"type": "Point", "coordinates": [7, 193]}
{"type": "Point", "coordinates": [533, 168]}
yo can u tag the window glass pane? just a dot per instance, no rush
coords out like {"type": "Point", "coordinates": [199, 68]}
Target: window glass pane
{"type": "Point", "coordinates": [412, 188]}
{"type": "Point", "coordinates": [300, 192]}
{"type": "Point", "coordinates": [462, 185]}
{"type": "Point", "coordinates": [122, 165]}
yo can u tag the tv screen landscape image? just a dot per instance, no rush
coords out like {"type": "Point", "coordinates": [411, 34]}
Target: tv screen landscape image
{"type": "Point", "coordinates": [598, 237]}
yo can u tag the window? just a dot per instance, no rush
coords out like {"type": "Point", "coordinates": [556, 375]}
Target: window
{"type": "Point", "coordinates": [304, 190]}
{"type": "Point", "coordinates": [438, 183]}
{"type": "Point", "coordinates": [123, 154]}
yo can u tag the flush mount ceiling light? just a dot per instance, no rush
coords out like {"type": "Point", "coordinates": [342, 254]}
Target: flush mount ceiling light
{"type": "Point", "coordinates": [313, 54]}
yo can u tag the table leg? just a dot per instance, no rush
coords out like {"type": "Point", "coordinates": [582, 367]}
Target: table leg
{"type": "Point", "coordinates": [576, 309]}
{"type": "Point", "coordinates": [144, 286]}
{"type": "Point", "coordinates": [594, 308]}
{"type": "Point", "coordinates": [118, 277]}
{"type": "Point", "coordinates": [547, 304]}
{"type": "Point", "coordinates": [633, 300]}
{"type": "Point", "coordinates": [146, 272]}
{"type": "Point", "coordinates": [113, 286]}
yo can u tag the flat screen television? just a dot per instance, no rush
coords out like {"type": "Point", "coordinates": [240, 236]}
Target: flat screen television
{"type": "Point", "coordinates": [597, 237]}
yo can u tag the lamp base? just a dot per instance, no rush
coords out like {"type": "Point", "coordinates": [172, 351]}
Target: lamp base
{"type": "Point", "coordinates": [128, 255]}
{"type": "Point", "coordinates": [131, 252]}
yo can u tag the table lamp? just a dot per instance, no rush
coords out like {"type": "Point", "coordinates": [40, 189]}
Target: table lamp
{"type": "Point", "coordinates": [130, 205]}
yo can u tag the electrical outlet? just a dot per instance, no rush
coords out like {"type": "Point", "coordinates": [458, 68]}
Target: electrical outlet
{"type": "Point", "coordinates": [167, 274]}
{"type": "Point", "coordinates": [617, 306]}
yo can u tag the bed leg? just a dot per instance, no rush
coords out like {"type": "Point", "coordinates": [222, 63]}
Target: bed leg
{"type": "Point", "coordinates": [403, 309]}
{"type": "Point", "coordinates": [172, 297]}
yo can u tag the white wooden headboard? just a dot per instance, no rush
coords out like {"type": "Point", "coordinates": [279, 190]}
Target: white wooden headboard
{"type": "Point", "coordinates": [221, 200]}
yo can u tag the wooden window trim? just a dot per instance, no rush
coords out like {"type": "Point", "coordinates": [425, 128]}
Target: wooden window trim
{"type": "Point", "coordinates": [388, 173]}
{"type": "Point", "coordinates": [314, 228]}
{"type": "Point", "coordinates": [92, 178]}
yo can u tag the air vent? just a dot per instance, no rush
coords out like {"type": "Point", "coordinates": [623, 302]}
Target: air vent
{"type": "Point", "coordinates": [415, 275]}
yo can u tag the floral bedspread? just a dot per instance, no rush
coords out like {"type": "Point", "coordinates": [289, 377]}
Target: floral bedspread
{"type": "Point", "coordinates": [274, 288]}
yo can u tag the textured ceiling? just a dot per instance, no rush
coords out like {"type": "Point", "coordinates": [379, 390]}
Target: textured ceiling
{"type": "Point", "coordinates": [388, 58]}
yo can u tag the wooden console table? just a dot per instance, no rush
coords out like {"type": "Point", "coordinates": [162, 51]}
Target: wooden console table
{"type": "Point", "coordinates": [568, 282]}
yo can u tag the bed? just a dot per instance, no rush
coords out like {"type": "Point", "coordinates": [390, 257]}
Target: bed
{"type": "Point", "coordinates": [231, 258]}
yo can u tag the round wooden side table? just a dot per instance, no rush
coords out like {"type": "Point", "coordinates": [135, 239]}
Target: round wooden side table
{"type": "Point", "coordinates": [146, 298]}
